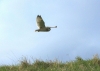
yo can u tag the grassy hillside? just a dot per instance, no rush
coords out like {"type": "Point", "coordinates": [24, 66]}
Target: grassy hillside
{"type": "Point", "coordinates": [77, 65]}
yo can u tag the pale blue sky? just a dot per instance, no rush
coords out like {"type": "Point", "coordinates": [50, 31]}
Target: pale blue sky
{"type": "Point", "coordinates": [78, 32]}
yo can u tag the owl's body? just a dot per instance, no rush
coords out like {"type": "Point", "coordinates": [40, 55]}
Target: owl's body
{"type": "Point", "coordinates": [41, 25]}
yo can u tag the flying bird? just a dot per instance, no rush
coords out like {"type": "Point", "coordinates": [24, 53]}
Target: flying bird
{"type": "Point", "coordinates": [41, 25]}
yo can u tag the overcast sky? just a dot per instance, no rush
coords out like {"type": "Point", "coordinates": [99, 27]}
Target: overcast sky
{"type": "Point", "coordinates": [78, 32]}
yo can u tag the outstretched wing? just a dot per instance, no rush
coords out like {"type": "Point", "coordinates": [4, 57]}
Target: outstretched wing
{"type": "Point", "coordinates": [40, 22]}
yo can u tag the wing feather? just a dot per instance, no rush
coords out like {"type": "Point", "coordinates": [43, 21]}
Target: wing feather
{"type": "Point", "coordinates": [40, 22]}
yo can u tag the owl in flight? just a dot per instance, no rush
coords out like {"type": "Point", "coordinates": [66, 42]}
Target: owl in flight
{"type": "Point", "coordinates": [41, 25]}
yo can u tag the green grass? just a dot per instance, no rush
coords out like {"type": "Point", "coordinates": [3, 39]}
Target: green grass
{"type": "Point", "coordinates": [77, 65]}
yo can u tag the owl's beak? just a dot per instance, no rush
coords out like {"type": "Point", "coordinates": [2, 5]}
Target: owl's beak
{"type": "Point", "coordinates": [36, 30]}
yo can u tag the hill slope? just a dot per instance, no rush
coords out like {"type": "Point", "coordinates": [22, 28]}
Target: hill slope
{"type": "Point", "coordinates": [77, 65]}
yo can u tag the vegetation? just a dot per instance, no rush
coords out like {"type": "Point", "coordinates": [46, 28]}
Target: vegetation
{"type": "Point", "coordinates": [77, 65]}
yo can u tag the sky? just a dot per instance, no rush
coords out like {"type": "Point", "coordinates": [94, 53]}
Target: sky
{"type": "Point", "coordinates": [77, 32]}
